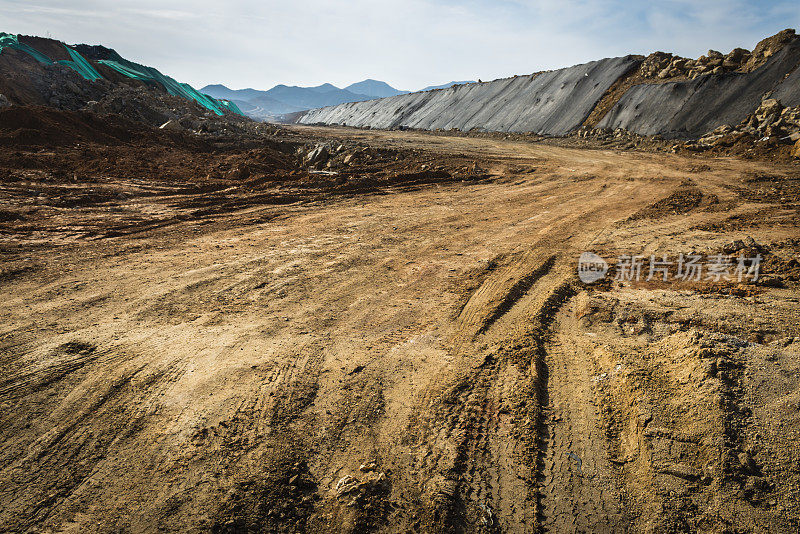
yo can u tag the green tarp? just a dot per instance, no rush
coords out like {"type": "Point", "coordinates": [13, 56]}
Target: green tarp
{"type": "Point", "coordinates": [8, 40]}
{"type": "Point", "coordinates": [81, 66]}
{"type": "Point", "coordinates": [149, 74]}
{"type": "Point", "coordinates": [230, 106]}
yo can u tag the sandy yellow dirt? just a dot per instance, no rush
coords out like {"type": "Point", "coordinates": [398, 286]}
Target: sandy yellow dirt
{"type": "Point", "coordinates": [432, 343]}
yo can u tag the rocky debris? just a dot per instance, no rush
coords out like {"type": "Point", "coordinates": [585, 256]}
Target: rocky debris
{"type": "Point", "coordinates": [662, 65]}
{"type": "Point", "coordinates": [716, 63]}
{"type": "Point", "coordinates": [747, 246]}
{"type": "Point", "coordinates": [771, 121]}
{"type": "Point", "coordinates": [665, 66]}
{"type": "Point", "coordinates": [25, 81]}
{"type": "Point", "coordinates": [767, 48]}
{"type": "Point", "coordinates": [152, 107]}
{"type": "Point", "coordinates": [321, 156]}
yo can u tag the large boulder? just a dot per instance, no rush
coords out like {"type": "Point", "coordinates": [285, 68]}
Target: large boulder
{"type": "Point", "coordinates": [320, 154]}
{"type": "Point", "coordinates": [796, 149]}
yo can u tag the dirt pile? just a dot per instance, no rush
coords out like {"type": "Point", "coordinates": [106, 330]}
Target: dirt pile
{"type": "Point", "coordinates": [661, 94]}
{"type": "Point", "coordinates": [26, 81]}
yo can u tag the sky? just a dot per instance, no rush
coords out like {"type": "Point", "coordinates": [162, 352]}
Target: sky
{"type": "Point", "coordinates": [407, 43]}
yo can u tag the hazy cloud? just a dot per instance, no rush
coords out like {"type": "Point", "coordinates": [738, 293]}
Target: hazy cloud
{"type": "Point", "coordinates": [408, 43]}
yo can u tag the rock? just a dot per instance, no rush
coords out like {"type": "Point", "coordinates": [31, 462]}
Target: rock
{"type": "Point", "coordinates": [4, 103]}
{"type": "Point", "coordinates": [768, 47]}
{"type": "Point", "coordinates": [71, 86]}
{"type": "Point", "coordinates": [171, 125]}
{"type": "Point", "coordinates": [768, 107]}
{"type": "Point", "coordinates": [796, 149]}
{"type": "Point", "coordinates": [733, 246]}
{"type": "Point", "coordinates": [368, 466]}
{"type": "Point", "coordinates": [348, 158]}
{"type": "Point", "coordinates": [346, 485]}
{"type": "Point", "coordinates": [664, 74]}
{"type": "Point", "coordinates": [319, 155]}
{"type": "Point", "coordinates": [241, 172]}
{"type": "Point", "coordinates": [713, 54]}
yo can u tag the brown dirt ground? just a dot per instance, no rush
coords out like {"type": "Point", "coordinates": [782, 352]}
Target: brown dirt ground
{"type": "Point", "coordinates": [204, 336]}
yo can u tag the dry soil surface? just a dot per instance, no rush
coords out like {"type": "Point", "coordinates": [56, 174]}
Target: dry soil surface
{"type": "Point", "coordinates": [407, 358]}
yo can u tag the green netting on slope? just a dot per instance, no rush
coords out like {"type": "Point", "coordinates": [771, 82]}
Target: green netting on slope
{"type": "Point", "coordinates": [149, 74]}
{"type": "Point", "coordinates": [231, 106]}
{"type": "Point", "coordinates": [78, 63]}
{"type": "Point", "coordinates": [127, 68]}
{"type": "Point", "coordinates": [8, 40]}
{"type": "Point", "coordinates": [81, 66]}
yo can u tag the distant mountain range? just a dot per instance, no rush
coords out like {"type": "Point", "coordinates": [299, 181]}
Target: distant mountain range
{"type": "Point", "coordinates": [281, 99]}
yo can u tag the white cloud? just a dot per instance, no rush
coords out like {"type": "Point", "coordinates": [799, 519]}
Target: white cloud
{"type": "Point", "coordinates": [409, 43]}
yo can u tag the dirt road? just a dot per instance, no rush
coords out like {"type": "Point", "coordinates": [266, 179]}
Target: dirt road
{"type": "Point", "coordinates": [414, 358]}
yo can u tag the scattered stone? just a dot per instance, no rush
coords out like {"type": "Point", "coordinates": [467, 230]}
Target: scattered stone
{"type": "Point", "coordinates": [172, 125]}
{"type": "Point", "coordinates": [346, 485]}
{"type": "Point", "coordinates": [320, 154]}
{"type": "Point", "coordinates": [368, 466]}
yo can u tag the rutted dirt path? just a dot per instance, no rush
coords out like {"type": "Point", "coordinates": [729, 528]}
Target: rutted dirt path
{"type": "Point", "coordinates": [413, 360]}
{"type": "Point", "coordinates": [580, 483]}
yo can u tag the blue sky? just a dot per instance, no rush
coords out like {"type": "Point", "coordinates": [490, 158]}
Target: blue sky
{"type": "Point", "coordinates": [408, 43]}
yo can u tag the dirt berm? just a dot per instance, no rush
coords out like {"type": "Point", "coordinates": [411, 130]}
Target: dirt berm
{"type": "Point", "coordinates": [688, 109]}
{"type": "Point", "coordinates": [662, 95]}
{"type": "Point", "coordinates": [547, 103]}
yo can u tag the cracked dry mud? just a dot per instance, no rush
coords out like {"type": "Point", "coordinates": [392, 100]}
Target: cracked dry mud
{"type": "Point", "coordinates": [229, 372]}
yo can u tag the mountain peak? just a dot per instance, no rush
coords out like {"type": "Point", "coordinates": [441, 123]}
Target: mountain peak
{"type": "Point", "coordinates": [374, 88]}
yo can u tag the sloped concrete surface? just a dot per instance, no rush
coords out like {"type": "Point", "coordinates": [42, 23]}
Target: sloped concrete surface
{"type": "Point", "coordinates": [549, 103]}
